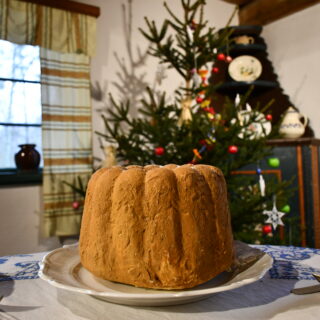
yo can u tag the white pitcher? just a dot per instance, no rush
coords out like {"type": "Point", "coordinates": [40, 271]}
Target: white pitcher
{"type": "Point", "coordinates": [291, 126]}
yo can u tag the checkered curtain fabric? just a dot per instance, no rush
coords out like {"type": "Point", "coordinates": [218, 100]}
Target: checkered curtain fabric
{"type": "Point", "coordinates": [66, 136]}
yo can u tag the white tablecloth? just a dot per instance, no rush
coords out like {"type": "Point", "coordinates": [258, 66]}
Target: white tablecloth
{"type": "Point", "coordinates": [25, 296]}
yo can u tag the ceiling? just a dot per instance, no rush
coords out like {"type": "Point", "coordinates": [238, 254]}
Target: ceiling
{"type": "Point", "coordinates": [262, 12]}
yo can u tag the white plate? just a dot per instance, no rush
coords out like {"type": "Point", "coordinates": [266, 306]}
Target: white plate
{"type": "Point", "coordinates": [245, 68]}
{"type": "Point", "coordinates": [62, 269]}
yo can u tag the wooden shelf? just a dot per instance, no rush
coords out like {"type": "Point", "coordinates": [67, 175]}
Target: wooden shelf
{"type": "Point", "coordinates": [294, 142]}
{"type": "Point", "coordinates": [10, 177]}
{"type": "Point", "coordinates": [69, 5]}
{"type": "Point", "coordinates": [243, 86]}
{"type": "Point", "coordinates": [248, 48]}
{"type": "Point", "coordinates": [252, 30]}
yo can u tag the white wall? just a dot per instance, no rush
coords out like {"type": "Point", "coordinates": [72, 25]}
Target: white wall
{"type": "Point", "coordinates": [294, 48]}
{"type": "Point", "coordinates": [20, 209]}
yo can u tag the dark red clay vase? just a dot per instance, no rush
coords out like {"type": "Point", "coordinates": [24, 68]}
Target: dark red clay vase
{"type": "Point", "coordinates": [28, 158]}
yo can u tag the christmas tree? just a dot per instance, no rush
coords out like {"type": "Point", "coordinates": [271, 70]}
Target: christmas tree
{"type": "Point", "coordinates": [189, 130]}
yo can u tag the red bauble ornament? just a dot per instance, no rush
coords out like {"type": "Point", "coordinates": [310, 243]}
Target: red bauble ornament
{"type": "Point", "coordinates": [269, 117]}
{"type": "Point", "coordinates": [199, 99]}
{"type": "Point", "coordinates": [209, 110]}
{"type": "Point", "coordinates": [228, 59]}
{"type": "Point", "coordinates": [215, 70]}
{"type": "Point", "coordinates": [266, 229]}
{"type": "Point", "coordinates": [75, 205]}
{"type": "Point", "coordinates": [159, 151]}
{"type": "Point", "coordinates": [233, 149]}
{"type": "Point", "coordinates": [221, 57]}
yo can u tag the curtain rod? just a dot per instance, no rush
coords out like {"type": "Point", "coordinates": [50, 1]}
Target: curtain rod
{"type": "Point", "coordinates": [69, 6]}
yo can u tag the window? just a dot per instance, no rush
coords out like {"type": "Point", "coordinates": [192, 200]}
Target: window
{"type": "Point", "coordinates": [20, 100]}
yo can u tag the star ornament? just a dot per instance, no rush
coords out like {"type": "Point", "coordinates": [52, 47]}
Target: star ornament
{"type": "Point", "coordinates": [274, 217]}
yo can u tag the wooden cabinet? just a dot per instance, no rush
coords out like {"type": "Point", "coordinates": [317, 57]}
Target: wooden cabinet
{"type": "Point", "coordinates": [299, 159]}
{"type": "Point", "coordinates": [265, 88]}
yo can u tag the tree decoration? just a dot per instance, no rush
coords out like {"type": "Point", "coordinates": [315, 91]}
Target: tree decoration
{"type": "Point", "coordinates": [221, 57]}
{"type": "Point", "coordinates": [159, 151]}
{"type": "Point", "coordinates": [185, 115]}
{"type": "Point", "coordinates": [228, 59]}
{"type": "Point", "coordinates": [237, 100]}
{"type": "Point", "coordinates": [190, 33]}
{"type": "Point", "coordinates": [196, 79]}
{"type": "Point", "coordinates": [253, 122]}
{"type": "Point", "coordinates": [267, 229]}
{"type": "Point", "coordinates": [232, 149]}
{"type": "Point", "coordinates": [269, 117]}
{"type": "Point", "coordinates": [286, 208]}
{"type": "Point", "coordinates": [274, 162]}
{"type": "Point", "coordinates": [199, 99]}
{"type": "Point", "coordinates": [274, 216]}
{"type": "Point", "coordinates": [110, 156]}
{"type": "Point", "coordinates": [262, 183]}
{"type": "Point", "coordinates": [75, 205]}
{"type": "Point", "coordinates": [197, 153]}
{"type": "Point", "coordinates": [215, 70]}
{"type": "Point", "coordinates": [203, 74]}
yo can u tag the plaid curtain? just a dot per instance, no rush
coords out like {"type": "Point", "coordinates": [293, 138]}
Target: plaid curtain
{"type": "Point", "coordinates": [54, 29]}
{"type": "Point", "coordinates": [66, 136]}
{"type": "Point", "coordinates": [65, 97]}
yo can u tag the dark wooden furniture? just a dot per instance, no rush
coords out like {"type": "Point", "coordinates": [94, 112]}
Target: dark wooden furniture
{"type": "Point", "coordinates": [69, 5]}
{"type": "Point", "coordinates": [299, 162]}
{"type": "Point", "coordinates": [300, 159]}
{"type": "Point", "coordinates": [265, 89]}
{"type": "Point", "coordinates": [262, 12]}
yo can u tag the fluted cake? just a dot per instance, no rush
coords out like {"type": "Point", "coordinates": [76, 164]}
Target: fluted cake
{"type": "Point", "coordinates": [157, 227]}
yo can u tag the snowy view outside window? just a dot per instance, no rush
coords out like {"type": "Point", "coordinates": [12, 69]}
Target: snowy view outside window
{"type": "Point", "coordinates": [20, 104]}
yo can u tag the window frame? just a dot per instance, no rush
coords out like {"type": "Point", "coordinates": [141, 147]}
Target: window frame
{"type": "Point", "coordinates": [12, 176]}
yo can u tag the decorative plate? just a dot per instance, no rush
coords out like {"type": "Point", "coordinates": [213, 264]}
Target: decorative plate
{"type": "Point", "coordinates": [62, 268]}
{"type": "Point", "coordinates": [245, 68]}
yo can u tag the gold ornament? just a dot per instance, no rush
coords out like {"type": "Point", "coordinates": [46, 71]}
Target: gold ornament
{"type": "Point", "coordinates": [110, 157]}
{"type": "Point", "coordinates": [185, 116]}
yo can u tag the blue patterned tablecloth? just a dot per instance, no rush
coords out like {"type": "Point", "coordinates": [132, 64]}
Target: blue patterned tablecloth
{"type": "Point", "coordinates": [289, 263]}
{"type": "Point", "coordinates": [25, 297]}
{"type": "Point", "coordinates": [20, 266]}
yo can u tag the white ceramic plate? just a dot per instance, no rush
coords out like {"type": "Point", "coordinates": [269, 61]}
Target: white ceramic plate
{"type": "Point", "coordinates": [245, 68]}
{"type": "Point", "coordinates": [62, 269]}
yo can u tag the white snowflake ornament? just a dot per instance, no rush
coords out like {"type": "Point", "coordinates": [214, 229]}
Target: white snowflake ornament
{"type": "Point", "coordinates": [274, 216]}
